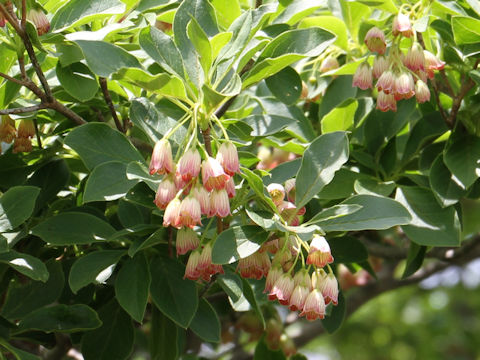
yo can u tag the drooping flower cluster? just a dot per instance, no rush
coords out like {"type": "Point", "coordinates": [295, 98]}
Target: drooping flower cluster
{"type": "Point", "coordinates": [21, 137]}
{"type": "Point", "coordinates": [399, 75]}
{"type": "Point", "coordinates": [190, 189]}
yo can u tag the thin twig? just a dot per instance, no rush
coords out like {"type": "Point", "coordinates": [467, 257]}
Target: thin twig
{"type": "Point", "coordinates": [23, 110]}
{"type": "Point", "coordinates": [108, 99]}
{"type": "Point", "coordinates": [21, 64]}
{"type": "Point", "coordinates": [12, 79]}
{"type": "Point", "coordinates": [37, 133]}
{"type": "Point", "coordinates": [24, 13]}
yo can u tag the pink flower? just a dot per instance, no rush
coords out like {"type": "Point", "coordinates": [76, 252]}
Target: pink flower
{"type": "Point", "coordinates": [254, 266]}
{"type": "Point", "coordinates": [298, 298]}
{"type": "Point", "coordinates": [192, 271]}
{"type": "Point", "coordinates": [363, 76]}
{"type": "Point", "coordinates": [386, 82]}
{"type": "Point", "coordinates": [288, 211]}
{"type": "Point", "coordinates": [40, 20]}
{"type": "Point", "coordinates": [205, 259]}
{"type": "Point", "coordinates": [273, 275]}
{"type": "Point", "coordinates": [171, 217]}
{"type": "Point", "coordinates": [432, 63]}
{"type": "Point", "coordinates": [161, 161]}
{"type": "Point", "coordinates": [227, 156]}
{"type": "Point", "coordinates": [26, 129]}
{"type": "Point", "coordinates": [386, 102]}
{"type": "Point", "coordinates": [380, 65]}
{"type": "Point", "coordinates": [404, 86]}
{"type": "Point", "coordinates": [190, 213]}
{"type": "Point", "coordinates": [187, 240]}
{"type": "Point", "coordinates": [330, 289]}
{"type": "Point", "coordinates": [302, 278]}
{"type": "Point", "coordinates": [203, 198]}
{"type": "Point", "coordinates": [230, 188]}
{"type": "Point", "coordinates": [277, 193]}
{"type": "Point", "coordinates": [219, 203]}
{"type": "Point", "coordinates": [314, 307]}
{"type": "Point", "coordinates": [329, 63]}
{"type": "Point", "coordinates": [189, 165]}
{"type": "Point", "coordinates": [415, 59]}
{"type": "Point", "coordinates": [282, 289]}
{"type": "Point", "coordinates": [290, 189]}
{"type": "Point", "coordinates": [401, 24]}
{"type": "Point", "coordinates": [422, 93]}
{"type": "Point", "coordinates": [319, 254]}
{"type": "Point", "coordinates": [7, 129]}
{"type": "Point", "coordinates": [375, 40]}
{"type": "Point", "coordinates": [166, 192]}
{"type": "Point", "coordinates": [213, 175]}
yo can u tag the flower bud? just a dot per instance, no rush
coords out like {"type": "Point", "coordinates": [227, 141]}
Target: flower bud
{"type": "Point", "coordinates": [380, 65]}
{"type": "Point", "coordinates": [213, 175]}
{"type": "Point", "coordinates": [227, 156]}
{"type": "Point", "coordinates": [192, 271]}
{"type": "Point", "coordinates": [219, 203]}
{"type": "Point", "coordinates": [161, 161]}
{"type": "Point", "coordinates": [328, 64]}
{"type": "Point", "coordinates": [314, 307]}
{"type": "Point", "coordinates": [330, 289]}
{"type": "Point", "coordinates": [166, 192]}
{"type": "Point", "coordinates": [422, 93]}
{"type": "Point", "coordinates": [189, 165]}
{"type": "Point", "coordinates": [375, 40]}
{"type": "Point", "coordinates": [290, 189]}
{"type": "Point", "coordinates": [39, 19]}
{"type": "Point", "coordinates": [319, 254]}
{"type": "Point", "coordinates": [363, 76]}
{"type": "Point", "coordinates": [386, 102]}
{"type": "Point", "coordinates": [187, 240]}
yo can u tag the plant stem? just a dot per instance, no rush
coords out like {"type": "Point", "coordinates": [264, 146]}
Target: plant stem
{"type": "Point", "coordinates": [108, 100]}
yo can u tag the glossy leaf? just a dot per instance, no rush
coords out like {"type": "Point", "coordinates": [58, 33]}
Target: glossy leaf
{"type": "Point", "coordinates": [431, 224]}
{"type": "Point", "coordinates": [73, 228]}
{"type": "Point", "coordinates": [286, 85]}
{"type": "Point", "coordinates": [164, 337]}
{"type": "Point", "coordinates": [237, 242]}
{"type": "Point", "coordinates": [132, 285]}
{"type": "Point", "coordinates": [340, 118]}
{"type": "Point", "coordinates": [415, 257]}
{"type": "Point", "coordinates": [462, 157]}
{"type": "Point", "coordinates": [77, 80]}
{"type": "Point", "coordinates": [171, 293]}
{"type": "Point", "coordinates": [205, 323]}
{"type": "Point", "coordinates": [334, 320]}
{"type": "Point", "coordinates": [348, 249]}
{"type": "Point", "coordinates": [26, 264]}
{"type": "Point", "coordinates": [264, 125]}
{"type": "Point", "coordinates": [325, 155]}
{"type": "Point", "coordinates": [16, 206]}
{"type": "Point", "coordinates": [444, 185]}
{"type": "Point", "coordinates": [466, 30]}
{"type": "Point", "coordinates": [97, 143]}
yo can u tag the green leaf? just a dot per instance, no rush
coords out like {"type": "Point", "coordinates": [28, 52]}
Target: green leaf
{"type": "Point", "coordinates": [201, 43]}
{"type": "Point", "coordinates": [373, 187]}
{"type": "Point", "coordinates": [227, 12]}
{"type": "Point", "coordinates": [16, 206]}
{"type": "Point", "coordinates": [22, 298]}
{"type": "Point", "coordinates": [339, 90]}
{"type": "Point", "coordinates": [78, 81]}
{"type": "Point", "coordinates": [258, 187]}
{"type": "Point", "coordinates": [416, 254]}
{"type": "Point", "coordinates": [73, 228]}
{"type": "Point", "coordinates": [431, 224]}
{"type": "Point", "coordinates": [286, 49]}
{"type": "Point", "coordinates": [332, 322]}
{"type": "Point", "coordinates": [262, 352]}
{"type": "Point", "coordinates": [77, 12]}
{"type": "Point", "coordinates": [138, 171]}
{"type": "Point", "coordinates": [206, 323]}
{"type": "Point", "coordinates": [466, 30]}
{"type": "Point", "coordinates": [97, 143]}
{"type": "Point", "coordinates": [132, 285]}
{"type": "Point", "coordinates": [340, 118]}
{"type": "Point", "coordinates": [462, 158]}
{"type": "Point", "coordinates": [251, 297]}
{"type": "Point", "coordinates": [163, 50]}
{"type": "Point", "coordinates": [377, 212]}
{"type": "Point", "coordinates": [295, 11]}
{"type": "Point", "coordinates": [114, 339]}
{"type": "Point", "coordinates": [286, 85]}
{"type": "Point", "coordinates": [237, 242]}
{"type": "Point", "coordinates": [232, 284]}
{"type": "Point", "coordinates": [26, 264]}
{"type": "Point", "coordinates": [330, 23]}
{"type": "Point", "coordinates": [173, 295]}
{"type": "Point", "coordinates": [348, 249]}
{"type": "Point", "coordinates": [158, 237]}
{"type": "Point", "coordinates": [334, 212]}
{"type": "Point", "coordinates": [19, 354]}
{"type": "Point", "coordinates": [104, 58]}
{"type": "Point", "coordinates": [61, 318]}
{"type": "Point", "coordinates": [163, 337]}
{"type": "Point", "coordinates": [154, 124]}
{"type": "Point", "coordinates": [444, 185]}
{"type": "Point", "coordinates": [264, 125]}
{"type": "Point", "coordinates": [325, 155]}
{"type": "Point", "coordinates": [108, 181]}
{"type": "Point", "coordinates": [95, 267]}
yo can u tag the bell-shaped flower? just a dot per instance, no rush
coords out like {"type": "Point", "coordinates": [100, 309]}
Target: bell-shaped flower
{"type": "Point", "coordinates": [39, 19]}
{"type": "Point", "coordinates": [282, 289]}
{"type": "Point", "coordinates": [380, 65]}
{"type": "Point", "coordinates": [363, 76]}
{"type": "Point", "coordinates": [422, 92]}
{"type": "Point", "coordinates": [219, 203]}
{"type": "Point", "coordinates": [162, 161]}
{"type": "Point", "coordinates": [386, 82]}
{"type": "Point", "coordinates": [298, 298]}
{"type": "Point", "coordinates": [190, 212]}
{"type": "Point", "coordinates": [375, 40]}
{"type": "Point", "coordinates": [166, 192]}
{"type": "Point", "coordinates": [277, 192]}
{"type": "Point", "coordinates": [203, 198]}
{"type": "Point", "coordinates": [230, 187]}
{"type": "Point", "coordinates": [319, 254]}
{"type": "Point", "coordinates": [227, 156]}
{"type": "Point", "coordinates": [386, 102]}
{"type": "Point", "coordinates": [7, 129]}
{"type": "Point", "coordinates": [192, 270]}
{"type": "Point", "coordinates": [328, 64]}
{"type": "Point", "coordinates": [273, 275]}
{"type": "Point", "coordinates": [213, 175]}
{"type": "Point", "coordinates": [171, 217]}
{"type": "Point", "coordinates": [187, 240]}
{"type": "Point", "coordinates": [330, 289]}
{"type": "Point", "coordinates": [415, 59]}
{"type": "Point", "coordinates": [402, 25]}
{"type": "Point", "coordinates": [314, 307]}
{"type": "Point", "coordinates": [189, 165]}
{"type": "Point", "coordinates": [404, 86]}
{"type": "Point", "coordinates": [290, 189]}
